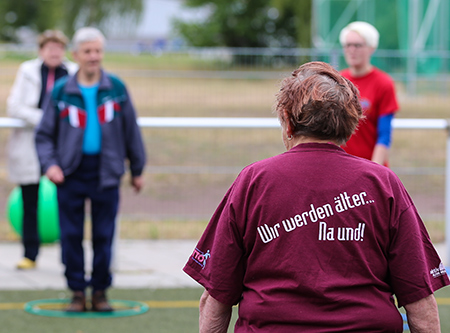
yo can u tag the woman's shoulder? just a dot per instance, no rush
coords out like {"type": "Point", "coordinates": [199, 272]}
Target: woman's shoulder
{"type": "Point", "coordinates": [381, 75]}
{"type": "Point", "coordinates": [71, 67]}
{"type": "Point", "coordinates": [263, 166]}
{"type": "Point", "coordinates": [31, 66]}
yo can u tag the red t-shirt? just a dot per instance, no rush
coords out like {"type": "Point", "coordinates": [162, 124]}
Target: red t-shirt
{"type": "Point", "coordinates": [377, 99]}
{"type": "Point", "coordinates": [317, 240]}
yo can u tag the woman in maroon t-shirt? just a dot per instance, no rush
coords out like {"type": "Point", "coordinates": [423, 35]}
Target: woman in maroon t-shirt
{"type": "Point", "coordinates": [315, 239]}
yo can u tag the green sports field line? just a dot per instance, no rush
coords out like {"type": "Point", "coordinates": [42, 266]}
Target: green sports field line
{"type": "Point", "coordinates": [151, 304]}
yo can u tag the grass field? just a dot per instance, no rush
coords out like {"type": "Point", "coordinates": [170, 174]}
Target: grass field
{"type": "Point", "coordinates": [171, 310]}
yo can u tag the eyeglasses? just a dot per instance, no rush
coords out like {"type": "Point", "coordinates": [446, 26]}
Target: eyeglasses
{"type": "Point", "coordinates": [355, 45]}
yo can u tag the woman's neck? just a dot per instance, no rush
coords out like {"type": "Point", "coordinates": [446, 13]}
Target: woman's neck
{"type": "Point", "coordinates": [360, 71]}
{"type": "Point", "coordinates": [304, 139]}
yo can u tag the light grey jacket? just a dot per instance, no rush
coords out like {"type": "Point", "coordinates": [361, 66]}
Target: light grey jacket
{"type": "Point", "coordinates": [22, 103]}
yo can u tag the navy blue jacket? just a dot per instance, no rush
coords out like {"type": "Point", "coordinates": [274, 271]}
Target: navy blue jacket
{"type": "Point", "coordinates": [59, 136]}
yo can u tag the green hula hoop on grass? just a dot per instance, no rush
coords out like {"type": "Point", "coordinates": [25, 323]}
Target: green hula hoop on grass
{"type": "Point", "coordinates": [48, 220]}
{"type": "Point", "coordinates": [55, 308]}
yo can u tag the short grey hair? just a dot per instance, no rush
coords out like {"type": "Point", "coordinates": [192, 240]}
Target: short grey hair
{"type": "Point", "coordinates": [365, 30]}
{"type": "Point", "coordinates": [86, 34]}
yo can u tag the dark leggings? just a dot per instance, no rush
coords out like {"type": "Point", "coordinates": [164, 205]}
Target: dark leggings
{"type": "Point", "coordinates": [30, 237]}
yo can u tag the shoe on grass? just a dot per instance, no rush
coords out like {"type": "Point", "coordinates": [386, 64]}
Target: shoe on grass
{"type": "Point", "coordinates": [100, 302]}
{"type": "Point", "coordinates": [78, 303]}
{"type": "Point", "coordinates": [26, 263]}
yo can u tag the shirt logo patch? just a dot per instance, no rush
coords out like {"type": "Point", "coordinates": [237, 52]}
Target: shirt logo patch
{"type": "Point", "coordinates": [438, 271]}
{"type": "Point", "coordinates": [365, 104]}
{"type": "Point", "coordinates": [200, 257]}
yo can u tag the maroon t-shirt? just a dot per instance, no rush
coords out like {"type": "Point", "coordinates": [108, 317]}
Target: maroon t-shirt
{"type": "Point", "coordinates": [317, 240]}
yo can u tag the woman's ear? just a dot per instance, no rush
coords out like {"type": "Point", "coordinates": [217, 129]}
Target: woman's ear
{"type": "Point", "coordinates": [287, 124]}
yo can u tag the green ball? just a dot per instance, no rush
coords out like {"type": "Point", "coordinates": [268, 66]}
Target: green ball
{"type": "Point", "coordinates": [48, 220]}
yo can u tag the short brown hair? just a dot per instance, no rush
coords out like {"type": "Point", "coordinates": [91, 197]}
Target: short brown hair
{"type": "Point", "coordinates": [52, 36]}
{"type": "Point", "coordinates": [320, 103]}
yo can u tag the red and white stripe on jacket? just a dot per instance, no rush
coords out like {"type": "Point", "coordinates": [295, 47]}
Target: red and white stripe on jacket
{"type": "Point", "coordinates": [77, 117]}
{"type": "Point", "coordinates": [106, 111]}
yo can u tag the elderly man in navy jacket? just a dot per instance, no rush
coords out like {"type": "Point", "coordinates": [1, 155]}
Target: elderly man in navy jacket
{"type": "Point", "coordinates": [87, 132]}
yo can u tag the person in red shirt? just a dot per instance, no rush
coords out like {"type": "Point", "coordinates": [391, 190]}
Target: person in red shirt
{"type": "Point", "coordinates": [315, 239]}
{"type": "Point", "coordinates": [372, 139]}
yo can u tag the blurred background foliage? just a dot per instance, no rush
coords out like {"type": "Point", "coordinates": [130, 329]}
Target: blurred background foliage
{"type": "Point", "coordinates": [231, 23]}
{"type": "Point", "coordinates": [67, 15]}
{"type": "Point", "coordinates": [249, 23]}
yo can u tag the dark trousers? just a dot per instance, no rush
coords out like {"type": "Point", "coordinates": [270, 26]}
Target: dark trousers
{"type": "Point", "coordinates": [81, 185]}
{"type": "Point", "coordinates": [30, 236]}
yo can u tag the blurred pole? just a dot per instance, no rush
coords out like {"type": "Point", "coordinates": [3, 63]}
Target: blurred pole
{"type": "Point", "coordinates": [413, 25]}
{"type": "Point", "coordinates": [334, 58]}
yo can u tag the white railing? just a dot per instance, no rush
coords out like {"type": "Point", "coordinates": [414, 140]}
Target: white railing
{"type": "Point", "coordinates": [228, 122]}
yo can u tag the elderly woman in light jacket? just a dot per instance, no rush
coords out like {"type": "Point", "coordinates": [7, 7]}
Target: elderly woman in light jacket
{"type": "Point", "coordinates": [34, 80]}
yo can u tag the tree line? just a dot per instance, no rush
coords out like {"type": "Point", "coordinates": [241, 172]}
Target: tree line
{"type": "Point", "coordinates": [232, 23]}
{"type": "Point", "coordinates": [67, 15]}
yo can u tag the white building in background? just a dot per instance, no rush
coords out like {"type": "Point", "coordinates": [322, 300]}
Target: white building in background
{"type": "Point", "coordinates": [158, 14]}
{"type": "Point", "coordinates": [154, 29]}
